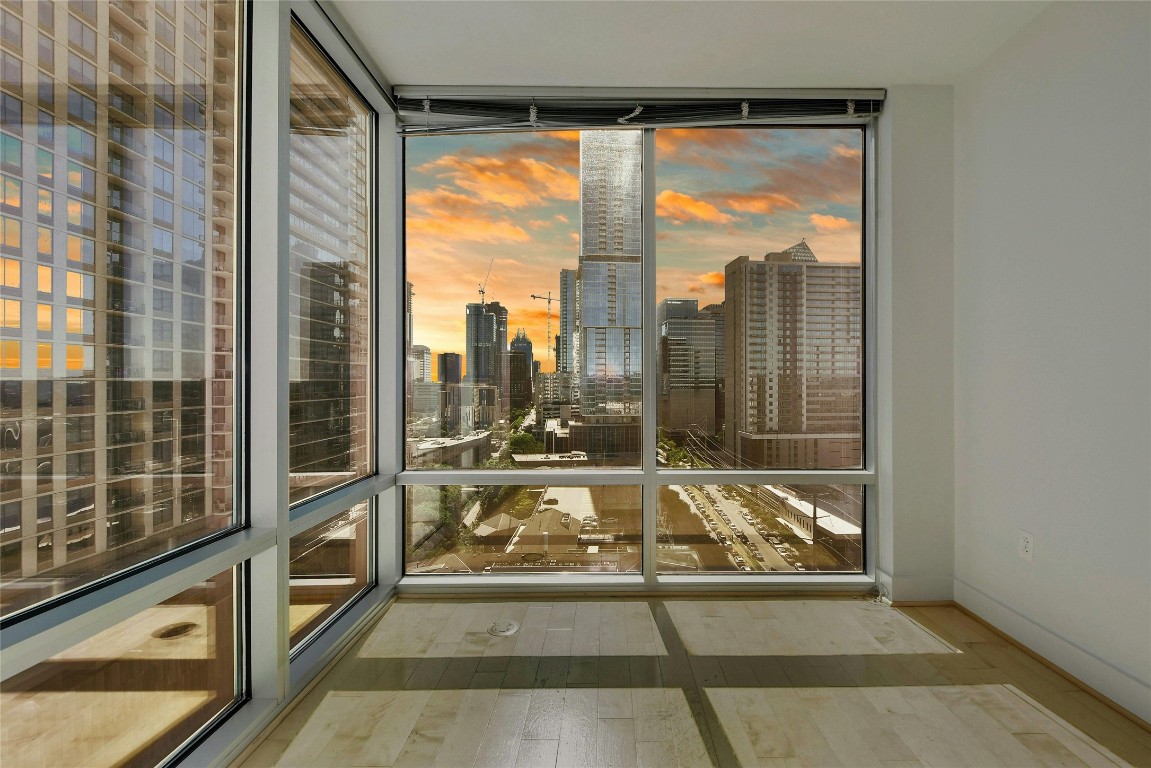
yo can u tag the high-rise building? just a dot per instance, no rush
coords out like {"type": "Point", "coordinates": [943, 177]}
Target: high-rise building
{"type": "Point", "coordinates": [487, 363]}
{"type": "Point", "coordinates": [609, 294]}
{"type": "Point", "coordinates": [793, 361]}
{"type": "Point", "coordinates": [422, 362]}
{"type": "Point", "coordinates": [448, 367]}
{"type": "Point", "coordinates": [715, 313]}
{"type": "Point", "coordinates": [686, 368]}
{"type": "Point", "coordinates": [521, 343]}
{"type": "Point", "coordinates": [566, 339]}
{"type": "Point", "coordinates": [409, 292]}
{"type": "Point", "coordinates": [520, 367]}
{"type": "Point", "coordinates": [520, 374]}
{"type": "Point", "coordinates": [117, 267]}
{"type": "Point", "coordinates": [500, 373]}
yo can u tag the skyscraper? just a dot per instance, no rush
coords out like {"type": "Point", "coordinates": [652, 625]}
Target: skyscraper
{"type": "Point", "coordinates": [520, 368]}
{"type": "Point", "coordinates": [566, 339]}
{"type": "Point", "coordinates": [448, 367]}
{"type": "Point", "coordinates": [794, 361]}
{"type": "Point", "coordinates": [609, 293]}
{"type": "Point", "coordinates": [486, 329]}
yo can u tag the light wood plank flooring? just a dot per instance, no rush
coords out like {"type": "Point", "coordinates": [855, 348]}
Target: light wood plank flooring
{"type": "Point", "coordinates": [665, 682]}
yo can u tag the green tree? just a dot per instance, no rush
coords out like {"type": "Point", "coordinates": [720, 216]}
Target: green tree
{"type": "Point", "coordinates": [522, 442]}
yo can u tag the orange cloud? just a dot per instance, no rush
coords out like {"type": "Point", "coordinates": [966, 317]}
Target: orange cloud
{"type": "Point", "coordinates": [470, 228]}
{"type": "Point", "coordinates": [540, 224]}
{"type": "Point", "coordinates": [709, 148]}
{"type": "Point", "coordinates": [511, 182]}
{"type": "Point", "coordinates": [694, 288]}
{"type": "Point", "coordinates": [448, 215]}
{"type": "Point", "coordinates": [828, 224]}
{"type": "Point", "coordinates": [851, 152]}
{"type": "Point", "coordinates": [561, 218]}
{"type": "Point", "coordinates": [680, 208]}
{"type": "Point", "coordinates": [765, 203]}
{"type": "Point", "coordinates": [712, 278]}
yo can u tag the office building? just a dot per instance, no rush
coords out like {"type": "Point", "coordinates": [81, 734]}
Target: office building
{"type": "Point", "coordinates": [448, 367]}
{"type": "Point", "coordinates": [421, 363]}
{"type": "Point", "coordinates": [795, 403]}
{"type": "Point", "coordinates": [520, 366]}
{"type": "Point", "coordinates": [687, 357]}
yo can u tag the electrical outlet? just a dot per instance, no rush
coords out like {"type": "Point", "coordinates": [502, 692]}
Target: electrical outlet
{"type": "Point", "coordinates": [1026, 545]}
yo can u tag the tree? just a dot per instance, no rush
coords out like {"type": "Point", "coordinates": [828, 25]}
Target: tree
{"type": "Point", "coordinates": [522, 442]}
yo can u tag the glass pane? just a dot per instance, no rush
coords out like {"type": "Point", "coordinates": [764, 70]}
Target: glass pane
{"type": "Point", "coordinates": [757, 528]}
{"type": "Point", "coordinates": [330, 337]}
{"type": "Point", "coordinates": [329, 567]}
{"type": "Point", "coordinates": [524, 287]}
{"type": "Point", "coordinates": [522, 529]}
{"type": "Point", "coordinates": [97, 276]}
{"type": "Point", "coordinates": [131, 694]}
{"type": "Point", "coordinates": [760, 357]}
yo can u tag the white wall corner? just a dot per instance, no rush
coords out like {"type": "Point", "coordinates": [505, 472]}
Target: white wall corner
{"type": "Point", "coordinates": [915, 350]}
{"type": "Point", "coordinates": [1053, 343]}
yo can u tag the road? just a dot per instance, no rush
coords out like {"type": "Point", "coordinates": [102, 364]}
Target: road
{"type": "Point", "coordinates": [710, 500]}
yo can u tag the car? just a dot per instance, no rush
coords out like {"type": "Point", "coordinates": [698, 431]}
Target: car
{"type": "Point", "coordinates": [757, 555]}
{"type": "Point", "coordinates": [739, 560]}
{"type": "Point", "coordinates": [799, 567]}
{"type": "Point", "coordinates": [745, 567]}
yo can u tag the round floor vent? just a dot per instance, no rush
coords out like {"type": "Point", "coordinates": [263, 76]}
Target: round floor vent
{"type": "Point", "coordinates": [174, 630]}
{"type": "Point", "coordinates": [503, 628]}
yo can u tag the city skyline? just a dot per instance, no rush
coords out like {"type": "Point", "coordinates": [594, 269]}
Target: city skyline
{"type": "Point", "coordinates": [512, 201]}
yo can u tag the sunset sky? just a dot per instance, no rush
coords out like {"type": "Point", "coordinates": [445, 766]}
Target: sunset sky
{"type": "Point", "coordinates": [514, 198]}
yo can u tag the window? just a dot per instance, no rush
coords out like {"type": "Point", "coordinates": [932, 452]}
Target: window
{"type": "Point", "coordinates": [81, 37]}
{"type": "Point", "coordinates": [329, 349]}
{"type": "Point", "coordinates": [11, 68]}
{"type": "Point", "coordinates": [71, 305]}
{"type": "Point", "coordinates": [329, 567]}
{"type": "Point", "coordinates": [196, 630]}
{"type": "Point", "coordinates": [525, 281]}
{"type": "Point", "coordinates": [46, 53]}
{"type": "Point", "coordinates": [11, 31]}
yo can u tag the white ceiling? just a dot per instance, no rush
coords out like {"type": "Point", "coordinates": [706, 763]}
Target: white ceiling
{"type": "Point", "coordinates": [691, 43]}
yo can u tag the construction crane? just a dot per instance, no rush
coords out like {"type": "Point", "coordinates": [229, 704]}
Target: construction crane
{"type": "Point", "coordinates": [484, 284]}
{"type": "Point", "coordinates": [549, 300]}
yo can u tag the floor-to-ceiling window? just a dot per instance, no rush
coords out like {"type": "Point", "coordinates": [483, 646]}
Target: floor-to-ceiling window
{"type": "Point", "coordinates": [158, 574]}
{"type": "Point", "coordinates": [589, 313]}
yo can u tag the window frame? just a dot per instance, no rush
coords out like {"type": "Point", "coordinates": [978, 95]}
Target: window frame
{"type": "Point", "coordinates": [652, 477]}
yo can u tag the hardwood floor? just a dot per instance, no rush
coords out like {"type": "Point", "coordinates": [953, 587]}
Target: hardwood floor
{"type": "Point", "coordinates": [668, 682]}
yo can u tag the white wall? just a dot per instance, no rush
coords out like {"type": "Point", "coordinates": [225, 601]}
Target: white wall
{"type": "Point", "coordinates": [915, 272]}
{"type": "Point", "coordinates": [1053, 342]}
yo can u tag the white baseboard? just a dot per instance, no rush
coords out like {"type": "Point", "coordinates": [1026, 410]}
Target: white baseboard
{"type": "Point", "coordinates": [1119, 685]}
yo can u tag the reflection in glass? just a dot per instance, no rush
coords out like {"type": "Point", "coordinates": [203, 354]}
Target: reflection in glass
{"type": "Point", "coordinates": [759, 528]}
{"type": "Point", "coordinates": [328, 569]}
{"type": "Point", "coordinates": [524, 300]}
{"type": "Point", "coordinates": [760, 358]}
{"type": "Point", "coordinates": [118, 291]}
{"type": "Point", "coordinates": [329, 249]}
{"type": "Point", "coordinates": [522, 529]}
{"type": "Point", "coordinates": [130, 694]}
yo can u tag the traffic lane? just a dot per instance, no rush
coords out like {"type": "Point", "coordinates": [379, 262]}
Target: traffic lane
{"type": "Point", "coordinates": [734, 510]}
{"type": "Point", "coordinates": [736, 522]}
